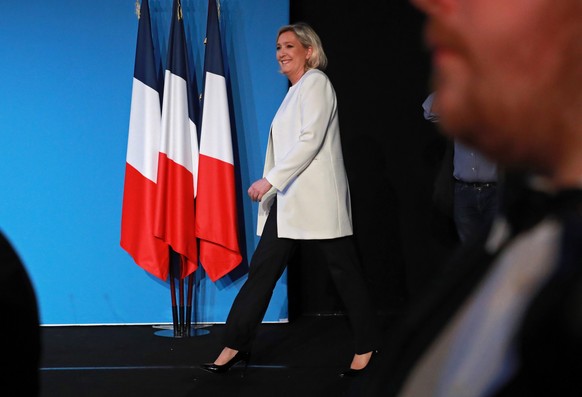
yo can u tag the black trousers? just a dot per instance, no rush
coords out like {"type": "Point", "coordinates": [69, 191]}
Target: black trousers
{"type": "Point", "coordinates": [267, 265]}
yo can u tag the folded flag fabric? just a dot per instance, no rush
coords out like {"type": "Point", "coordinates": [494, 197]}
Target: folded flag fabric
{"type": "Point", "coordinates": [178, 155]}
{"type": "Point", "coordinates": [216, 209]}
{"type": "Point", "coordinates": [141, 169]}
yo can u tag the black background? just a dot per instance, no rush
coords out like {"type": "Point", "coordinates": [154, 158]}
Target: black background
{"type": "Point", "coordinates": [380, 70]}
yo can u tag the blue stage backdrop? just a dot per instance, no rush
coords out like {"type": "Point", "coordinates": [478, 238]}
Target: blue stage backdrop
{"type": "Point", "coordinates": [64, 109]}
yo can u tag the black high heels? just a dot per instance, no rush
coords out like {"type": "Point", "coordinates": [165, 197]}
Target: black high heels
{"type": "Point", "coordinates": [239, 357]}
{"type": "Point", "coordinates": [352, 373]}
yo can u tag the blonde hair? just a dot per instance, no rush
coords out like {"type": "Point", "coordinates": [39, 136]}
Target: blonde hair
{"type": "Point", "coordinates": [308, 38]}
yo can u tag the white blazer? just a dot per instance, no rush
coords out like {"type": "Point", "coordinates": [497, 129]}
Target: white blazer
{"type": "Point", "coordinates": [305, 165]}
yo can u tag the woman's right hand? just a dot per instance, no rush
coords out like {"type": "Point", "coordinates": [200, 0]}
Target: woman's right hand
{"type": "Point", "coordinates": [259, 188]}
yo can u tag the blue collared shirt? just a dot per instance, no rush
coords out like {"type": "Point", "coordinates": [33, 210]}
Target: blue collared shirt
{"type": "Point", "coordinates": [472, 166]}
{"type": "Point", "coordinates": [427, 107]}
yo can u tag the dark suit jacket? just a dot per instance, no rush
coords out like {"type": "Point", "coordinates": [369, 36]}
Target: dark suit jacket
{"type": "Point", "coordinates": [444, 185]}
{"type": "Point", "coordinates": [549, 338]}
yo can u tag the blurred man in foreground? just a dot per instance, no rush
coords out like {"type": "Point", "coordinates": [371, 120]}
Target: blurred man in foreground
{"type": "Point", "coordinates": [505, 318]}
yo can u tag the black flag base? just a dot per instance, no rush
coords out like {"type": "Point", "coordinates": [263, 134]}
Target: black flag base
{"type": "Point", "coordinates": [194, 330]}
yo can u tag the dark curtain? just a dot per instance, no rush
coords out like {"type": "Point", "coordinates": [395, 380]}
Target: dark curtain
{"type": "Point", "coordinates": [380, 70]}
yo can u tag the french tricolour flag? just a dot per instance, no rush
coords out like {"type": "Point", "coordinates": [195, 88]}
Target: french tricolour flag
{"type": "Point", "coordinates": [141, 168]}
{"type": "Point", "coordinates": [178, 156]}
{"type": "Point", "coordinates": [216, 214]}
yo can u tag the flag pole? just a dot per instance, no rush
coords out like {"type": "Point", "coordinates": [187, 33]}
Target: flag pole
{"type": "Point", "coordinates": [173, 297]}
{"type": "Point", "coordinates": [181, 313]}
{"type": "Point", "coordinates": [191, 307]}
{"type": "Point", "coordinates": [181, 297]}
{"type": "Point", "coordinates": [177, 168]}
{"type": "Point", "coordinates": [189, 304]}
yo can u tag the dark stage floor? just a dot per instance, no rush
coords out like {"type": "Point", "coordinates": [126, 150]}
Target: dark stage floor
{"type": "Point", "coordinates": [301, 358]}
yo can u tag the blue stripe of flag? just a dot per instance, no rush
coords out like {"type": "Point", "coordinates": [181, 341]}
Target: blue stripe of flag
{"type": "Point", "coordinates": [177, 62]}
{"type": "Point", "coordinates": [213, 62]}
{"type": "Point", "coordinates": [145, 67]}
{"type": "Point", "coordinates": [177, 52]}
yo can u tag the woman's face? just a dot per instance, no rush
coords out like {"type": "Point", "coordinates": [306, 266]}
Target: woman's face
{"type": "Point", "coordinates": [292, 56]}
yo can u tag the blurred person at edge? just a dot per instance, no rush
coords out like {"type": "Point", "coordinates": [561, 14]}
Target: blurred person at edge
{"type": "Point", "coordinates": [466, 184]}
{"type": "Point", "coordinates": [20, 332]}
{"type": "Point", "coordinates": [505, 318]}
